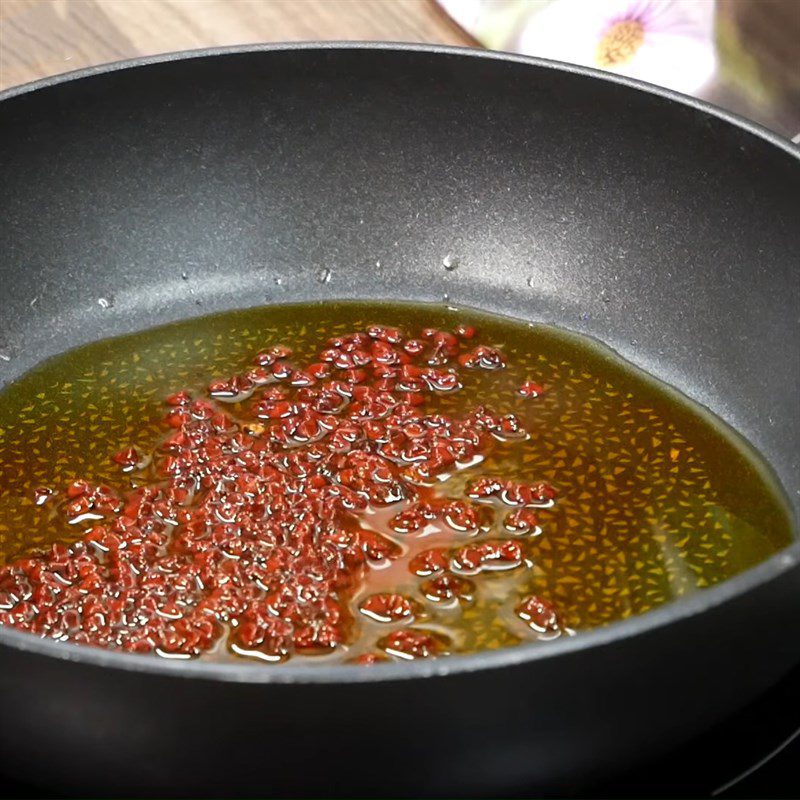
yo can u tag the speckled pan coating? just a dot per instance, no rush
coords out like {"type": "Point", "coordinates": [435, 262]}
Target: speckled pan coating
{"type": "Point", "coordinates": [663, 227]}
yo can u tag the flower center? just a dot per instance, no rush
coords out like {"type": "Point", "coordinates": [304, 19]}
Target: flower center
{"type": "Point", "coordinates": [620, 43]}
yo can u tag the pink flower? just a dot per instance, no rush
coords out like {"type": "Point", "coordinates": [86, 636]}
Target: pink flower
{"type": "Point", "coordinates": [666, 42]}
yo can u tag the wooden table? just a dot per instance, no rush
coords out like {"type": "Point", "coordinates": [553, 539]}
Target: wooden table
{"type": "Point", "coordinates": [44, 37]}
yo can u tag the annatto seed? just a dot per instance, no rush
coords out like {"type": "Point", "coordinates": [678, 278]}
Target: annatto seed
{"type": "Point", "coordinates": [388, 607]}
{"type": "Point", "coordinates": [465, 331]}
{"type": "Point", "coordinates": [408, 521]}
{"type": "Point", "coordinates": [429, 562]}
{"type": "Point", "coordinates": [42, 494]}
{"type": "Point", "coordinates": [484, 488]}
{"type": "Point", "coordinates": [447, 587]}
{"type": "Point", "coordinates": [539, 613]}
{"type": "Point", "coordinates": [530, 389]}
{"type": "Point", "coordinates": [127, 458]}
{"type": "Point", "coordinates": [368, 659]}
{"type": "Point", "coordinates": [460, 516]}
{"type": "Point", "coordinates": [490, 555]}
{"type": "Point", "coordinates": [179, 399]}
{"type": "Point", "coordinates": [522, 520]}
{"type": "Point", "coordinates": [412, 643]}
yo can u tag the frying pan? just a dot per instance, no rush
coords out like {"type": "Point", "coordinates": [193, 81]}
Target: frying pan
{"type": "Point", "coordinates": [557, 188]}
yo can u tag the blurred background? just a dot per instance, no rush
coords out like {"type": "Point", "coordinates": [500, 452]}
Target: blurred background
{"type": "Point", "coordinates": [743, 55]}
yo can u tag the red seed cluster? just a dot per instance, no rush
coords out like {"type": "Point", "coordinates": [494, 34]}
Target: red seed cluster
{"type": "Point", "coordinates": [483, 357]}
{"type": "Point", "coordinates": [540, 495]}
{"type": "Point", "coordinates": [251, 529]}
{"type": "Point", "coordinates": [490, 555]}
{"type": "Point", "coordinates": [458, 515]}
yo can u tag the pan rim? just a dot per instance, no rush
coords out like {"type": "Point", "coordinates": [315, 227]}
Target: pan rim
{"type": "Point", "coordinates": [108, 67]}
{"type": "Point", "coordinates": [672, 612]}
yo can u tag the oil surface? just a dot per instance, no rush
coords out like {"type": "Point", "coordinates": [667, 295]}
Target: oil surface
{"type": "Point", "coordinates": [657, 499]}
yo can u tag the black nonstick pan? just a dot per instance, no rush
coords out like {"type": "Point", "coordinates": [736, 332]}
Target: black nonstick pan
{"type": "Point", "coordinates": [663, 227]}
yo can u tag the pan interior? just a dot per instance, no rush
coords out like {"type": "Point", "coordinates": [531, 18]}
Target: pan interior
{"type": "Point", "coordinates": [138, 197]}
{"type": "Point", "coordinates": [657, 497]}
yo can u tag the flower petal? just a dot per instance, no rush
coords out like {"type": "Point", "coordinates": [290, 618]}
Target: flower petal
{"type": "Point", "coordinates": [677, 52]}
{"type": "Point", "coordinates": [681, 63]}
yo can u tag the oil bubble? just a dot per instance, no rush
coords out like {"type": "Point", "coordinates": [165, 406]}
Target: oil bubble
{"type": "Point", "coordinates": [450, 262]}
